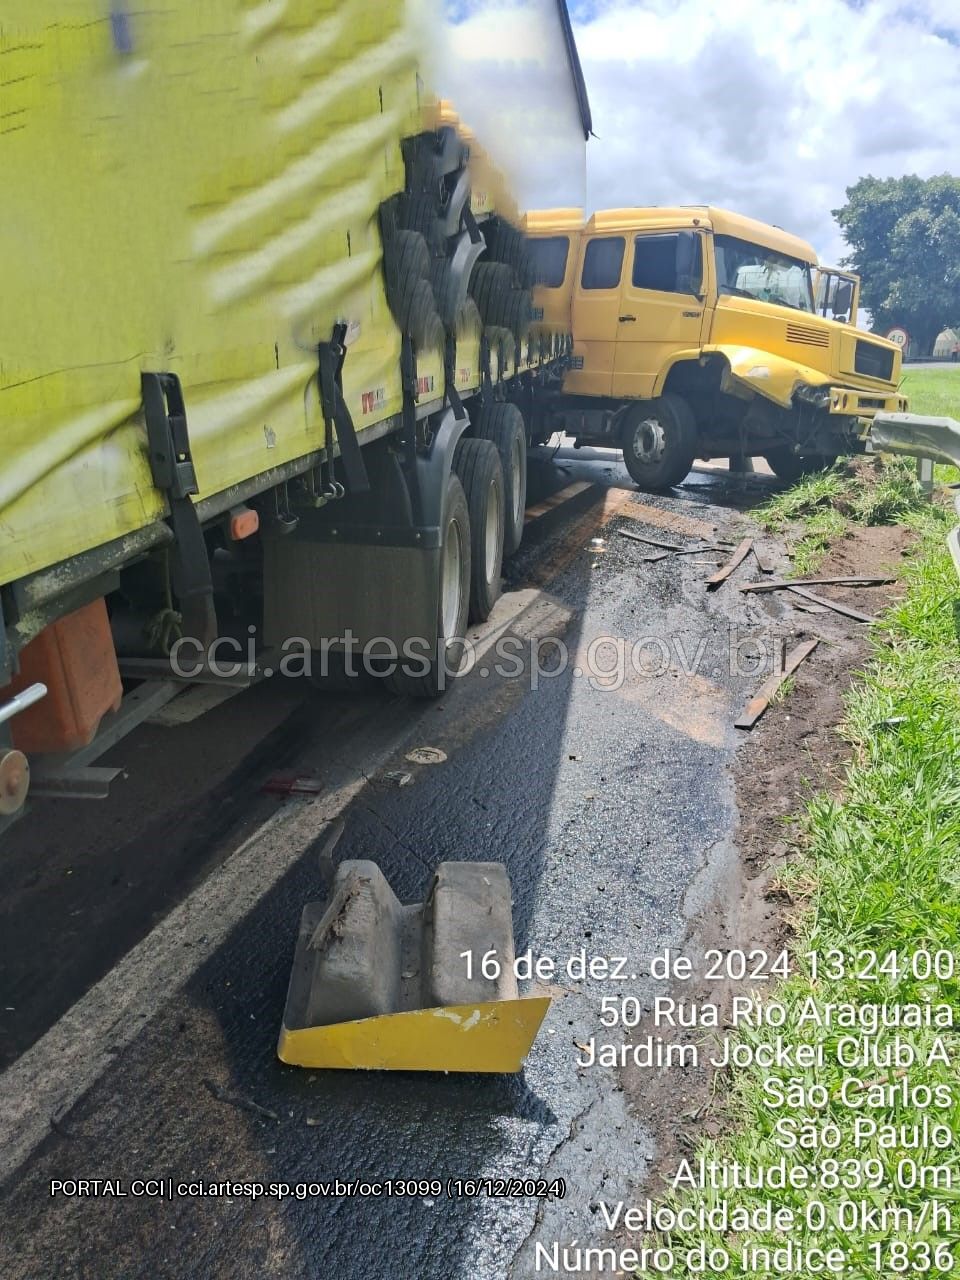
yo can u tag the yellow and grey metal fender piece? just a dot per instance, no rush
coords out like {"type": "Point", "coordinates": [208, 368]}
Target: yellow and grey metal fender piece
{"type": "Point", "coordinates": [381, 986]}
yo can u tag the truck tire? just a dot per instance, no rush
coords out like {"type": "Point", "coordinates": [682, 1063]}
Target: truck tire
{"type": "Point", "coordinates": [407, 265]}
{"type": "Point", "coordinates": [509, 245]}
{"type": "Point", "coordinates": [502, 303]}
{"type": "Point", "coordinates": [519, 313]}
{"type": "Point", "coordinates": [421, 320]}
{"type": "Point", "coordinates": [659, 442]}
{"type": "Point", "coordinates": [491, 283]}
{"type": "Point", "coordinates": [453, 597]}
{"type": "Point", "coordinates": [449, 291]}
{"type": "Point", "coordinates": [419, 211]}
{"type": "Point", "coordinates": [477, 463]}
{"type": "Point", "coordinates": [503, 345]}
{"type": "Point", "coordinates": [503, 425]}
{"type": "Point", "coordinates": [469, 323]}
{"type": "Point", "coordinates": [789, 467]}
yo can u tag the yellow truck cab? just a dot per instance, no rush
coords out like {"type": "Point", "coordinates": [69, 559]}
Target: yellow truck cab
{"type": "Point", "coordinates": [702, 333]}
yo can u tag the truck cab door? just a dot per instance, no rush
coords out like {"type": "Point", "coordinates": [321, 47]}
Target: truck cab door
{"type": "Point", "coordinates": [595, 315]}
{"type": "Point", "coordinates": [661, 308]}
{"type": "Point", "coordinates": [837, 295]}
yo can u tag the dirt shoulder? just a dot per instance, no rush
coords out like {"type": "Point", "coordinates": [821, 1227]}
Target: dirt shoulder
{"type": "Point", "coordinates": [794, 751]}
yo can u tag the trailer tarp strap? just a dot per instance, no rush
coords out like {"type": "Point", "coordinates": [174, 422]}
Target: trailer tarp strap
{"type": "Point", "coordinates": [171, 463]}
{"type": "Point", "coordinates": [336, 414]}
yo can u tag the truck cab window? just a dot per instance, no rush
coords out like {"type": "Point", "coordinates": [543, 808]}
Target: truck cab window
{"type": "Point", "coordinates": [602, 263]}
{"type": "Point", "coordinates": [655, 264]}
{"type": "Point", "coordinates": [549, 260]}
{"type": "Point", "coordinates": [748, 270]}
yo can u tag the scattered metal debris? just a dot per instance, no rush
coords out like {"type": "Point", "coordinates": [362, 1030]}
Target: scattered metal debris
{"type": "Point", "coordinates": [396, 778]}
{"type": "Point", "coordinates": [238, 1100]}
{"type": "Point", "coordinates": [806, 607]}
{"type": "Point", "coordinates": [845, 609]}
{"type": "Point", "coordinates": [762, 564]}
{"type": "Point", "coordinates": [741, 553]}
{"type": "Point", "coordinates": [652, 542]}
{"type": "Point", "coordinates": [303, 786]}
{"type": "Point", "coordinates": [758, 704]}
{"type": "Point", "coordinates": [426, 755]}
{"type": "Point", "coordinates": [781, 584]}
{"type": "Point", "coordinates": [667, 548]}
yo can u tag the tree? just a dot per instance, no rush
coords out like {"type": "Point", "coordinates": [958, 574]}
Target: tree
{"type": "Point", "coordinates": [905, 238]}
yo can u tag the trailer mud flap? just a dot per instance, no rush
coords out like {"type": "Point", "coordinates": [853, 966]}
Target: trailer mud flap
{"type": "Point", "coordinates": [369, 567]}
{"type": "Point", "coordinates": [379, 986]}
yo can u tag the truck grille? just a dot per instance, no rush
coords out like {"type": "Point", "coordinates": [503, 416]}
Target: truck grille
{"type": "Point", "coordinates": [873, 361]}
{"type": "Point", "coordinates": [809, 336]}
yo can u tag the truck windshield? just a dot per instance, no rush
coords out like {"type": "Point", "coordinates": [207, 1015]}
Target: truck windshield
{"type": "Point", "coordinates": [751, 271]}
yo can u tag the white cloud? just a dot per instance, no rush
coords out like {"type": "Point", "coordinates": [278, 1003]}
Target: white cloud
{"type": "Point", "coordinates": [768, 107]}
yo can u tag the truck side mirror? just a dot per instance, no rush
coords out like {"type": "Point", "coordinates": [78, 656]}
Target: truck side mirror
{"type": "Point", "coordinates": [843, 299]}
{"type": "Point", "coordinates": [689, 263]}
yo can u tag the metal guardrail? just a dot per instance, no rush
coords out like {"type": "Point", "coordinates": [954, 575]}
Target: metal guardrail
{"type": "Point", "coordinates": [929, 440]}
{"type": "Point", "coordinates": [937, 439]}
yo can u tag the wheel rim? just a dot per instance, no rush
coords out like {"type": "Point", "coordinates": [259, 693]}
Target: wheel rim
{"type": "Point", "coordinates": [649, 442]}
{"type": "Point", "coordinates": [516, 469]}
{"type": "Point", "coordinates": [451, 585]}
{"type": "Point", "coordinates": [491, 532]}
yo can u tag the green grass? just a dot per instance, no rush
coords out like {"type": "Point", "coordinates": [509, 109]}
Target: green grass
{"type": "Point", "coordinates": [879, 869]}
{"type": "Point", "coordinates": [933, 391]}
{"type": "Point", "coordinates": [820, 529]}
{"type": "Point", "coordinates": [815, 511]}
{"type": "Point", "coordinates": [810, 495]}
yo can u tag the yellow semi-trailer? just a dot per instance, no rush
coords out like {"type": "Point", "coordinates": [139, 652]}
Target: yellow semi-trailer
{"type": "Point", "coordinates": [702, 333]}
{"type": "Point", "coordinates": [264, 300]}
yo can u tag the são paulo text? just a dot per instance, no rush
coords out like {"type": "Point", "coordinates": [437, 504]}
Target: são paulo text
{"type": "Point", "coordinates": [748, 1012]}
{"type": "Point", "coordinates": [792, 1132]}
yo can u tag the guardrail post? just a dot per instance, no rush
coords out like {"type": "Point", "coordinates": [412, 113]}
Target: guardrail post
{"type": "Point", "coordinates": [925, 476]}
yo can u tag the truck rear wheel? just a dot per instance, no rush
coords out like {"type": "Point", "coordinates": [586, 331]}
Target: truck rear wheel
{"type": "Point", "coordinates": [477, 463]}
{"type": "Point", "coordinates": [453, 603]}
{"type": "Point", "coordinates": [659, 442]}
{"type": "Point", "coordinates": [790, 467]}
{"type": "Point", "coordinates": [503, 425]}
{"type": "Point", "coordinates": [407, 267]}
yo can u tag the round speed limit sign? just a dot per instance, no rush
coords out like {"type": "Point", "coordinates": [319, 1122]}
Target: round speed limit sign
{"type": "Point", "coordinates": [899, 336]}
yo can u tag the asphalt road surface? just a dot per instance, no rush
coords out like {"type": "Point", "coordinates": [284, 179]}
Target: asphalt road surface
{"type": "Point", "coordinates": [146, 941]}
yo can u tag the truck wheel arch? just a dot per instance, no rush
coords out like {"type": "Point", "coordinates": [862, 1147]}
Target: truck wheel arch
{"type": "Point", "coordinates": [691, 359]}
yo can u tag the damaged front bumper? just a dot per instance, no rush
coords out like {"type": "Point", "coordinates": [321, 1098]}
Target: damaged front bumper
{"type": "Point", "coordinates": [849, 401]}
{"type": "Point", "coordinates": [784, 381]}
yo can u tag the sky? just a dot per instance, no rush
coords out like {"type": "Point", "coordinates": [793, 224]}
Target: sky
{"type": "Point", "coordinates": [768, 107]}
